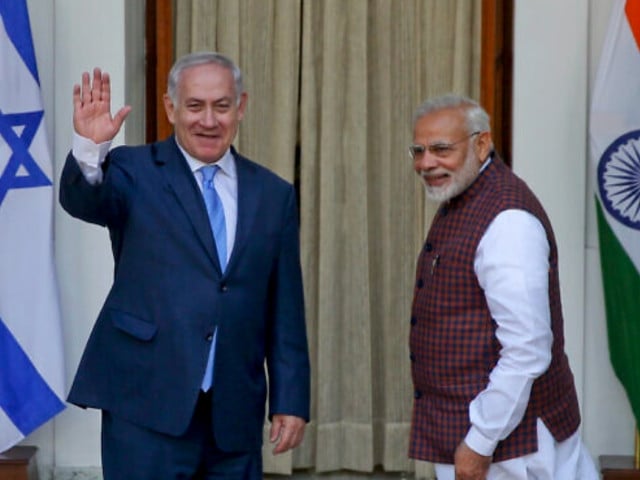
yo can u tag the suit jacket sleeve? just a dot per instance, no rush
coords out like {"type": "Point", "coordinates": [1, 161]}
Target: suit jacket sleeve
{"type": "Point", "coordinates": [101, 204]}
{"type": "Point", "coordinates": [287, 352]}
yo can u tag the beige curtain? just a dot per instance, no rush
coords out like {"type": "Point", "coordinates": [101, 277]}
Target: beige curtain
{"type": "Point", "coordinates": [340, 80]}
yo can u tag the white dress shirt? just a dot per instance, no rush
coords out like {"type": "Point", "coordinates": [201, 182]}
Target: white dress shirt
{"type": "Point", "coordinates": [226, 184]}
{"type": "Point", "coordinates": [512, 267]}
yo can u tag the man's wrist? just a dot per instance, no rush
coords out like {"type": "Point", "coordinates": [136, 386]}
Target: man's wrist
{"type": "Point", "coordinates": [88, 152]}
{"type": "Point", "coordinates": [479, 443]}
{"type": "Point", "coordinates": [90, 156]}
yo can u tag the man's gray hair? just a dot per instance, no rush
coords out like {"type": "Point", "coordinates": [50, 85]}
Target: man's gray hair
{"type": "Point", "coordinates": [476, 116]}
{"type": "Point", "coordinates": [202, 58]}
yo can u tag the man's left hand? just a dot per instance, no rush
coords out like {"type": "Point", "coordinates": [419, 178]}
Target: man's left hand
{"type": "Point", "coordinates": [287, 432]}
{"type": "Point", "coordinates": [470, 465]}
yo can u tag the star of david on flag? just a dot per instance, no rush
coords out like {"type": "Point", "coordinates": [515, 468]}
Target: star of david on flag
{"type": "Point", "coordinates": [31, 363]}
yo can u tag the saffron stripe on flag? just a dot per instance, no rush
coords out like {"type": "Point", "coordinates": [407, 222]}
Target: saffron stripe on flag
{"type": "Point", "coordinates": [25, 396]}
{"type": "Point", "coordinates": [632, 12]}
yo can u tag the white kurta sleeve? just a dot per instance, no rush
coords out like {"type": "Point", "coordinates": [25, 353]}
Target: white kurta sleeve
{"type": "Point", "coordinates": [512, 267]}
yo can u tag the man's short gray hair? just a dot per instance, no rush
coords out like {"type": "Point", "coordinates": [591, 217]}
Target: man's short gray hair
{"type": "Point", "coordinates": [476, 116]}
{"type": "Point", "coordinates": [202, 58]}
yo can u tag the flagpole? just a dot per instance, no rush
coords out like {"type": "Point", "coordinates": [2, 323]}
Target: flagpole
{"type": "Point", "coordinates": [636, 453]}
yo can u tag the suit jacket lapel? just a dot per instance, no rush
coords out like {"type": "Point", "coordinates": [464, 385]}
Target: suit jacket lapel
{"type": "Point", "coordinates": [181, 183]}
{"type": "Point", "coordinates": [249, 192]}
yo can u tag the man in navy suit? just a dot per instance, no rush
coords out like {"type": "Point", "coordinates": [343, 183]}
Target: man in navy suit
{"type": "Point", "coordinates": [176, 357]}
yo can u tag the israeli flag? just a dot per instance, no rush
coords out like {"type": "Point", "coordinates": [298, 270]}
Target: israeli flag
{"type": "Point", "coordinates": [31, 363]}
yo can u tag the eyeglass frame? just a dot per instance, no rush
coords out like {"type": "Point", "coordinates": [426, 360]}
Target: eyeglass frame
{"type": "Point", "coordinates": [440, 149]}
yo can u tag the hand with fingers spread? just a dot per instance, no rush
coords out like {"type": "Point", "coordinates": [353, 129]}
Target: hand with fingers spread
{"type": "Point", "coordinates": [287, 432]}
{"type": "Point", "coordinates": [92, 108]}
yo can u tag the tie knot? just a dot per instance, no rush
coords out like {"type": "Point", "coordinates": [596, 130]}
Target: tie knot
{"type": "Point", "coordinates": [209, 172]}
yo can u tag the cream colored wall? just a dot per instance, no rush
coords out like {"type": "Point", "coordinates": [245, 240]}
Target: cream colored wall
{"type": "Point", "coordinates": [557, 46]}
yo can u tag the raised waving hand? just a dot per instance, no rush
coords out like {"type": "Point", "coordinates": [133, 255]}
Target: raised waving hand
{"type": "Point", "coordinates": [92, 108]}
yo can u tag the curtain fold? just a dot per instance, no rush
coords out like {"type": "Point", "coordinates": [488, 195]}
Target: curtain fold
{"type": "Point", "coordinates": [334, 173]}
{"type": "Point", "coordinates": [332, 88]}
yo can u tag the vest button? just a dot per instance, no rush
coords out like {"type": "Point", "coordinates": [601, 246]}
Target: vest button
{"type": "Point", "coordinates": [420, 283]}
{"type": "Point", "coordinates": [428, 247]}
{"type": "Point", "coordinates": [412, 357]}
{"type": "Point", "coordinates": [417, 394]}
{"type": "Point", "coordinates": [414, 320]}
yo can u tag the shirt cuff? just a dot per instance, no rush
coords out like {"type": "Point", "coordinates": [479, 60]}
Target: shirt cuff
{"type": "Point", "coordinates": [90, 156]}
{"type": "Point", "coordinates": [480, 444]}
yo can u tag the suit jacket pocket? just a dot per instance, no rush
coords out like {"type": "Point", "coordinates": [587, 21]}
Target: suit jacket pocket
{"type": "Point", "coordinates": [134, 326]}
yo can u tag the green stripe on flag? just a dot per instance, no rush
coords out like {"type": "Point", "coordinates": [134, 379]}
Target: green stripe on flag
{"type": "Point", "coordinates": [621, 283]}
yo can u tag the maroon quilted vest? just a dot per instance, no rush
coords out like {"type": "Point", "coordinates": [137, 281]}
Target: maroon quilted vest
{"type": "Point", "coordinates": [452, 341]}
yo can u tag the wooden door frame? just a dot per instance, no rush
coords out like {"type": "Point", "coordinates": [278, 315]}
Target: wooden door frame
{"type": "Point", "coordinates": [159, 58]}
{"type": "Point", "coordinates": [496, 71]}
{"type": "Point", "coordinates": [496, 68]}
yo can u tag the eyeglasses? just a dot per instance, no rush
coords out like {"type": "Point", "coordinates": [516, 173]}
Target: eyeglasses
{"type": "Point", "coordinates": [439, 149]}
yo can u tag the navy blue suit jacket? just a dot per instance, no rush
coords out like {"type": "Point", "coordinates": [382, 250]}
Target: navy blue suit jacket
{"type": "Point", "coordinates": [147, 353]}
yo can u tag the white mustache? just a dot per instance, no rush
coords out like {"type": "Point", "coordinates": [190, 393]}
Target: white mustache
{"type": "Point", "coordinates": [426, 174]}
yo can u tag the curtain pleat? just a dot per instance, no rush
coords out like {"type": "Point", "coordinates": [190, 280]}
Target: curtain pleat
{"type": "Point", "coordinates": [332, 88]}
{"type": "Point", "coordinates": [338, 160]}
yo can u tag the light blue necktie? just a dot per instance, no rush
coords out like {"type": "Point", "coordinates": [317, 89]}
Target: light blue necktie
{"type": "Point", "coordinates": [215, 211]}
{"type": "Point", "coordinates": [219, 229]}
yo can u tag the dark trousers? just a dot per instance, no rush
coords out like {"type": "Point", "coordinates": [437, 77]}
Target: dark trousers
{"type": "Point", "coordinates": [130, 452]}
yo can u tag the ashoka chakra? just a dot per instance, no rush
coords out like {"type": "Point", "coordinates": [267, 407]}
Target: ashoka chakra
{"type": "Point", "coordinates": [619, 179]}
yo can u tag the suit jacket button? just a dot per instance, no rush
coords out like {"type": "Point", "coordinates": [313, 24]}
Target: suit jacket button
{"type": "Point", "coordinates": [223, 287]}
{"type": "Point", "coordinates": [209, 337]}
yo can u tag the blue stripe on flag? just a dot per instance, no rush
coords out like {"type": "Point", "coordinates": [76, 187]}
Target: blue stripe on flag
{"type": "Point", "coordinates": [15, 17]}
{"type": "Point", "coordinates": [24, 395]}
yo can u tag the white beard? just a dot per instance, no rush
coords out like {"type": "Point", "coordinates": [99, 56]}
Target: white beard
{"type": "Point", "coordinates": [459, 180]}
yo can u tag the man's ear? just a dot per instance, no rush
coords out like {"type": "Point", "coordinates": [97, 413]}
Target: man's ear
{"type": "Point", "coordinates": [244, 97]}
{"type": "Point", "coordinates": [169, 108]}
{"type": "Point", "coordinates": [483, 146]}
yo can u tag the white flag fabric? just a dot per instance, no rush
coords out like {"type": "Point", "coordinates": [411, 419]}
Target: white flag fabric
{"type": "Point", "coordinates": [615, 150]}
{"type": "Point", "coordinates": [31, 362]}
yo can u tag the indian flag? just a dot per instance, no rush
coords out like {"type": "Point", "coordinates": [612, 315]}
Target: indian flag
{"type": "Point", "coordinates": [615, 150]}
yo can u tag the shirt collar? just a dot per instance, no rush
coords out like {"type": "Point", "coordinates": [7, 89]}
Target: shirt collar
{"type": "Point", "coordinates": [227, 163]}
{"type": "Point", "coordinates": [486, 163]}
